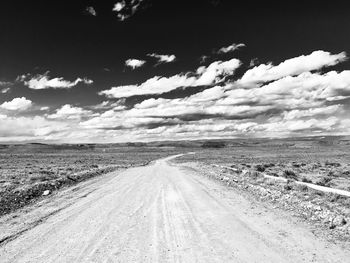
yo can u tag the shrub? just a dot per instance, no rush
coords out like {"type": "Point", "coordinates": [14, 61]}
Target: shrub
{"type": "Point", "coordinates": [327, 163]}
{"type": "Point", "coordinates": [306, 180]}
{"type": "Point", "coordinates": [259, 168]}
{"type": "Point", "coordinates": [332, 174]}
{"type": "Point", "coordinates": [254, 174]}
{"type": "Point", "coordinates": [290, 174]}
{"type": "Point", "coordinates": [324, 181]}
{"type": "Point", "coordinates": [268, 165]}
{"type": "Point", "coordinates": [296, 165]}
{"type": "Point", "coordinates": [47, 172]}
{"type": "Point", "coordinates": [346, 172]}
{"type": "Point", "coordinates": [335, 197]}
{"type": "Point", "coordinates": [212, 144]}
{"type": "Point", "coordinates": [301, 188]}
{"type": "Point", "coordinates": [274, 174]}
{"type": "Point", "coordinates": [288, 186]}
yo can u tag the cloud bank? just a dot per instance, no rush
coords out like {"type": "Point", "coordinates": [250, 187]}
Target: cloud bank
{"type": "Point", "coordinates": [163, 58]}
{"type": "Point", "coordinates": [39, 82]}
{"type": "Point", "coordinates": [298, 96]}
{"type": "Point", "coordinates": [214, 73]}
{"type": "Point", "coordinates": [294, 66]}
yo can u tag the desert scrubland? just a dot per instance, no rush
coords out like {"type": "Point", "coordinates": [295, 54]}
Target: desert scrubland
{"type": "Point", "coordinates": [283, 198]}
{"type": "Point", "coordinates": [28, 170]}
{"type": "Point", "coordinates": [301, 175]}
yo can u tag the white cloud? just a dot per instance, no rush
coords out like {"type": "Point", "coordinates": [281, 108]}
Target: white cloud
{"type": "Point", "coordinates": [296, 101]}
{"type": "Point", "coordinates": [125, 10]}
{"type": "Point", "coordinates": [5, 86]}
{"type": "Point", "coordinates": [230, 48]}
{"type": "Point", "coordinates": [312, 87]}
{"type": "Point", "coordinates": [29, 128]}
{"type": "Point", "coordinates": [91, 11]}
{"type": "Point", "coordinates": [297, 114]}
{"type": "Point", "coordinates": [44, 82]}
{"type": "Point", "coordinates": [203, 58]}
{"type": "Point", "coordinates": [69, 112]}
{"type": "Point", "coordinates": [117, 105]}
{"type": "Point", "coordinates": [210, 75]}
{"type": "Point", "coordinates": [191, 106]}
{"type": "Point", "coordinates": [163, 58]}
{"type": "Point", "coordinates": [119, 6]}
{"type": "Point", "coordinates": [155, 85]}
{"type": "Point", "coordinates": [4, 90]}
{"type": "Point", "coordinates": [19, 104]}
{"type": "Point", "coordinates": [294, 66]}
{"type": "Point", "coordinates": [216, 71]}
{"type": "Point", "coordinates": [305, 90]}
{"type": "Point", "coordinates": [134, 63]}
{"type": "Point", "coordinates": [295, 104]}
{"type": "Point", "coordinates": [290, 126]}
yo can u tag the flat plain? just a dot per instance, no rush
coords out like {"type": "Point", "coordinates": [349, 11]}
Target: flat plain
{"type": "Point", "coordinates": [28, 170]}
{"type": "Point", "coordinates": [258, 195]}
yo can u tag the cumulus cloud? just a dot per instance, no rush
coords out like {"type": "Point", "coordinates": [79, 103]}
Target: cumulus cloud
{"type": "Point", "coordinates": [134, 63]}
{"type": "Point", "coordinates": [163, 58]}
{"type": "Point", "coordinates": [20, 128]}
{"type": "Point", "coordinates": [216, 71]}
{"type": "Point", "coordinates": [290, 126]}
{"type": "Point", "coordinates": [155, 85]}
{"type": "Point", "coordinates": [69, 112]}
{"type": "Point", "coordinates": [39, 82]}
{"type": "Point", "coordinates": [293, 98]}
{"type": "Point", "coordinates": [230, 48]}
{"type": "Point", "coordinates": [307, 90]}
{"type": "Point", "coordinates": [117, 105]}
{"type": "Point", "coordinates": [295, 105]}
{"type": "Point", "coordinates": [312, 87]}
{"type": "Point", "coordinates": [126, 8]}
{"type": "Point", "coordinates": [210, 75]}
{"type": "Point", "coordinates": [17, 104]}
{"type": "Point", "coordinates": [119, 6]}
{"type": "Point", "coordinates": [90, 10]}
{"type": "Point", "coordinates": [294, 66]}
{"type": "Point", "coordinates": [170, 112]}
{"type": "Point", "coordinates": [4, 90]}
{"type": "Point", "coordinates": [297, 114]}
{"type": "Point", "coordinates": [5, 86]}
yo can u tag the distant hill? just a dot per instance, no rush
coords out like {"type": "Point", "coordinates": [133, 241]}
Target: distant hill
{"type": "Point", "coordinates": [301, 142]}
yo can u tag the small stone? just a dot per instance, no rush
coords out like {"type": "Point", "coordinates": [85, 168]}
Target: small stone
{"type": "Point", "coordinates": [46, 192]}
{"type": "Point", "coordinates": [339, 221]}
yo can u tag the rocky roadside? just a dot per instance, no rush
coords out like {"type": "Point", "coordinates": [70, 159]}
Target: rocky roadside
{"type": "Point", "coordinates": [328, 212]}
{"type": "Point", "coordinates": [14, 197]}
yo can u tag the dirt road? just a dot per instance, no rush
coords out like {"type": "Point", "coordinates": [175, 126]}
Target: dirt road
{"type": "Point", "coordinates": [162, 213]}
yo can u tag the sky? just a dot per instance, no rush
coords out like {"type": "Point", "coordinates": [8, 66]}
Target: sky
{"type": "Point", "coordinates": [92, 71]}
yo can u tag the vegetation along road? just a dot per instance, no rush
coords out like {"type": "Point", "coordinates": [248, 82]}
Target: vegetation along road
{"type": "Point", "coordinates": [163, 213]}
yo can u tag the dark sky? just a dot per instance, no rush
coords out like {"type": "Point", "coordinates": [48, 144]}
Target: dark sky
{"type": "Point", "coordinates": [59, 35]}
{"type": "Point", "coordinates": [62, 38]}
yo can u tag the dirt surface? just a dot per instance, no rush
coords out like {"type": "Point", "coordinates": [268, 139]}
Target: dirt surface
{"type": "Point", "coordinates": [158, 213]}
